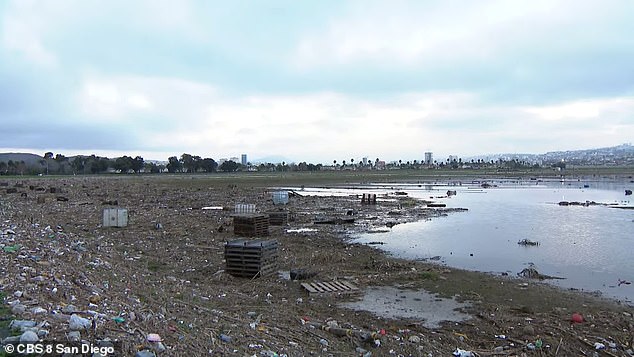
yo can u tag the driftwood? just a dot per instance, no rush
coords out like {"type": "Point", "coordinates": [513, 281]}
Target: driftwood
{"type": "Point", "coordinates": [364, 336]}
{"type": "Point", "coordinates": [532, 273]}
{"type": "Point", "coordinates": [526, 242]}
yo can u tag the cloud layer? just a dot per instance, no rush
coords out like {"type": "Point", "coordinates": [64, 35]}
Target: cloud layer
{"type": "Point", "coordinates": [315, 81]}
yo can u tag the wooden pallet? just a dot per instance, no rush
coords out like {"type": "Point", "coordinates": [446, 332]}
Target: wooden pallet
{"type": "Point", "coordinates": [278, 218]}
{"type": "Point", "coordinates": [251, 225]}
{"type": "Point", "coordinates": [330, 287]}
{"type": "Point", "coordinates": [251, 258]}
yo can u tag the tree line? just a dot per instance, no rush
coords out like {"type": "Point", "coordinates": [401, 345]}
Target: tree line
{"type": "Point", "coordinates": [59, 164]}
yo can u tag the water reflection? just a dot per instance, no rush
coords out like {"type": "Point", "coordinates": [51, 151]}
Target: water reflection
{"type": "Point", "coordinates": [590, 246]}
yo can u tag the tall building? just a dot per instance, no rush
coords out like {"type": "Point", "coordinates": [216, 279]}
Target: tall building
{"type": "Point", "coordinates": [429, 159]}
{"type": "Point", "coordinates": [243, 159]}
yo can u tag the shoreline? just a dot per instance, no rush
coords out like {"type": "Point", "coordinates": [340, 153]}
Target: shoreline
{"type": "Point", "coordinates": [171, 279]}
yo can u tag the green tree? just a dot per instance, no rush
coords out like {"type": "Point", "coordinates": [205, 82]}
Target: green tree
{"type": "Point", "coordinates": [47, 156]}
{"type": "Point", "coordinates": [123, 164]}
{"type": "Point", "coordinates": [62, 162]}
{"type": "Point", "coordinates": [229, 166]}
{"type": "Point", "coordinates": [152, 167]}
{"type": "Point", "coordinates": [137, 164]}
{"type": "Point", "coordinates": [189, 164]}
{"type": "Point", "coordinates": [173, 165]}
{"type": "Point", "coordinates": [209, 165]}
{"type": "Point", "coordinates": [97, 164]}
{"type": "Point", "coordinates": [78, 164]}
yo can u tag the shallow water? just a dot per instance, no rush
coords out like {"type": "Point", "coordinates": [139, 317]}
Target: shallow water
{"type": "Point", "coordinates": [591, 247]}
{"type": "Point", "coordinates": [419, 305]}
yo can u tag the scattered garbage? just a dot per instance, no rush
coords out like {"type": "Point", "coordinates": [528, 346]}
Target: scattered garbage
{"type": "Point", "coordinates": [74, 336]}
{"type": "Point", "coordinates": [78, 323]}
{"type": "Point", "coordinates": [21, 325]}
{"type": "Point", "coordinates": [280, 197]}
{"type": "Point", "coordinates": [528, 242]}
{"type": "Point", "coordinates": [462, 353]}
{"type": "Point", "coordinates": [116, 283]}
{"type": "Point", "coordinates": [11, 248]}
{"type": "Point", "coordinates": [577, 318]}
{"type": "Point", "coordinates": [29, 337]}
{"type": "Point", "coordinates": [599, 346]}
{"type": "Point", "coordinates": [532, 273]}
{"type": "Point", "coordinates": [301, 274]}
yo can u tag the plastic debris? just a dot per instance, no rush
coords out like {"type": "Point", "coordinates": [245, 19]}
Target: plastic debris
{"type": "Point", "coordinates": [11, 248]}
{"type": "Point", "coordinates": [577, 318]}
{"type": "Point", "coordinates": [77, 323]}
{"type": "Point", "coordinates": [153, 337]}
{"type": "Point", "coordinates": [21, 325]}
{"type": "Point", "coordinates": [462, 353]}
{"type": "Point", "coordinates": [29, 337]}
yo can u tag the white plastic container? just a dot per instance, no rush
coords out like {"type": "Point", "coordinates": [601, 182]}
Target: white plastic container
{"type": "Point", "coordinates": [280, 197]}
{"type": "Point", "coordinates": [115, 217]}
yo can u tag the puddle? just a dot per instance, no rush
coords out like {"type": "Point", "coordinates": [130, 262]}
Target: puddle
{"type": "Point", "coordinates": [394, 303]}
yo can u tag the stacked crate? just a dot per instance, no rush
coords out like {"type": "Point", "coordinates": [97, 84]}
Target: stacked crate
{"type": "Point", "coordinates": [278, 218]}
{"type": "Point", "coordinates": [251, 258]}
{"type": "Point", "coordinates": [251, 225]}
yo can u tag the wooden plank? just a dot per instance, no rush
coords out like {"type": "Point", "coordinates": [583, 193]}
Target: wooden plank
{"type": "Point", "coordinates": [309, 287]}
{"type": "Point", "coordinates": [318, 287]}
{"type": "Point", "coordinates": [339, 286]}
{"type": "Point", "coordinates": [342, 285]}
{"type": "Point", "coordinates": [328, 287]}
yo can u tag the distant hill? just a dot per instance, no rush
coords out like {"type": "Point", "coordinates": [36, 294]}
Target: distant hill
{"type": "Point", "coordinates": [613, 155]}
{"type": "Point", "coordinates": [29, 159]}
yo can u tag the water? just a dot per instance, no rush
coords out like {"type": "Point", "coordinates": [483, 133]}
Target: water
{"type": "Point", "coordinates": [591, 247]}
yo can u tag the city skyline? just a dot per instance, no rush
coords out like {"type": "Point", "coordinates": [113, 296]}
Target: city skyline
{"type": "Point", "coordinates": [315, 81]}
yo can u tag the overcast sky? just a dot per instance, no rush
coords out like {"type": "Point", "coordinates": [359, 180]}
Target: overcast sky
{"type": "Point", "coordinates": [315, 80]}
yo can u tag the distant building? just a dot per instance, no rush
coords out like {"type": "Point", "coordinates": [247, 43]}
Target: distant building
{"type": "Point", "coordinates": [243, 159]}
{"type": "Point", "coordinates": [234, 159]}
{"type": "Point", "coordinates": [365, 161]}
{"type": "Point", "coordinates": [429, 159]}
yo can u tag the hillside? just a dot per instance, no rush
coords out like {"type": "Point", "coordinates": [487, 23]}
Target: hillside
{"type": "Point", "coordinates": [29, 159]}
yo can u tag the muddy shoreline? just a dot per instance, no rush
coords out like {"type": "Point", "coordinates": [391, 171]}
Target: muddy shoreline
{"type": "Point", "coordinates": [165, 274]}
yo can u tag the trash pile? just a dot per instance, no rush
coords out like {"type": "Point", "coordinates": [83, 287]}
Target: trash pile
{"type": "Point", "coordinates": [157, 286]}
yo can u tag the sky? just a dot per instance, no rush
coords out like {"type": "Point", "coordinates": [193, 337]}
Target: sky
{"type": "Point", "coordinates": [315, 81]}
